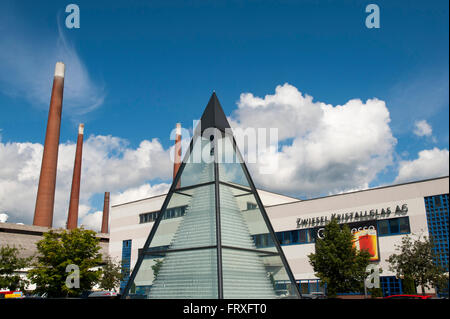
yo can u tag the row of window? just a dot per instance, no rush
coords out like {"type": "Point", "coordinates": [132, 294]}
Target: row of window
{"type": "Point", "coordinates": [299, 236]}
{"type": "Point", "coordinates": [389, 285]}
{"type": "Point", "coordinates": [173, 212]}
{"type": "Point", "coordinates": [393, 226]}
{"type": "Point", "coordinates": [388, 227]}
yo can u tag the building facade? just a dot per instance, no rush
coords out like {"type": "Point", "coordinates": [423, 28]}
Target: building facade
{"type": "Point", "coordinates": [380, 217]}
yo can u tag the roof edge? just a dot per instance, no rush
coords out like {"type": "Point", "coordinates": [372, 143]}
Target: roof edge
{"type": "Point", "coordinates": [363, 190]}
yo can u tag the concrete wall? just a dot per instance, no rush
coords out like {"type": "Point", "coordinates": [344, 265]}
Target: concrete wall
{"type": "Point", "coordinates": [26, 236]}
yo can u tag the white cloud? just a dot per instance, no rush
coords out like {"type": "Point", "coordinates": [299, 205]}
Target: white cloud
{"type": "Point", "coordinates": [326, 149]}
{"type": "Point", "coordinates": [3, 217]}
{"type": "Point", "coordinates": [28, 56]}
{"type": "Point", "coordinates": [109, 164]}
{"type": "Point", "coordinates": [422, 128]}
{"type": "Point", "coordinates": [92, 221]}
{"type": "Point", "coordinates": [430, 163]}
{"type": "Point", "coordinates": [140, 192]}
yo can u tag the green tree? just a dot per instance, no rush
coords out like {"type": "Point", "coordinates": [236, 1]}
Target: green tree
{"type": "Point", "coordinates": [157, 267]}
{"type": "Point", "coordinates": [337, 262]}
{"type": "Point", "coordinates": [10, 264]}
{"type": "Point", "coordinates": [111, 274]}
{"type": "Point", "coordinates": [376, 292]}
{"type": "Point", "coordinates": [415, 264]}
{"type": "Point", "coordinates": [56, 251]}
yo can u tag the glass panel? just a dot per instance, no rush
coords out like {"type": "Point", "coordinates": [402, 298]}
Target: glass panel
{"type": "Point", "coordinates": [199, 166]}
{"type": "Point", "coordinates": [322, 287]}
{"type": "Point", "coordinates": [383, 227]}
{"type": "Point", "coordinates": [437, 201]}
{"type": "Point", "coordinates": [314, 286]}
{"type": "Point", "coordinates": [304, 288]}
{"type": "Point", "coordinates": [393, 226]}
{"type": "Point", "coordinates": [250, 273]}
{"type": "Point", "coordinates": [287, 238]}
{"type": "Point", "coordinates": [294, 236]}
{"type": "Point", "coordinates": [279, 237]}
{"type": "Point", "coordinates": [188, 274]}
{"type": "Point", "coordinates": [254, 275]}
{"type": "Point", "coordinates": [230, 168]}
{"type": "Point", "coordinates": [239, 224]}
{"type": "Point", "coordinates": [404, 225]}
{"type": "Point", "coordinates": [189, 220]}
{"type": "Point", "coordinates": [303, 235]}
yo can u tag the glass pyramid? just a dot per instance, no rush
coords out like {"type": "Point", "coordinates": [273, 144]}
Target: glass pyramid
{"type": "Point", "coordinates": [212, 238]}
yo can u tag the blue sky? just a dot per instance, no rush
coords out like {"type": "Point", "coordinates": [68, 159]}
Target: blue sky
{"type": "Point", "coordinates": [143, 66]}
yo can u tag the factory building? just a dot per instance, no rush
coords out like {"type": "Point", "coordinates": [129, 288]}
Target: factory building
{"type": "Point", "coordinates": [390, 213]}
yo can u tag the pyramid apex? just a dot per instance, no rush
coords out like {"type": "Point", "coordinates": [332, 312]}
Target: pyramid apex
{"type": "Point", "coordinates": [214, 116]}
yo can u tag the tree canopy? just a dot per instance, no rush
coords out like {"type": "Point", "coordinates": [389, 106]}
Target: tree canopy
{"type": "Point", "coordinates": [416, 262]}
{"type": "Point", "coordinates": [338, 264]}
{"type": "Point", "coordinates": [59, 249]}
{"type": "Point", "coordinates": [10, 264]}
{"type": "Point", "coordinates": [111, 274]}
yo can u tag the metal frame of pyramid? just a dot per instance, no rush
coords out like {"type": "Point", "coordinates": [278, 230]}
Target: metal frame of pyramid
{"type": "Point", "coordinates": [214, 117]}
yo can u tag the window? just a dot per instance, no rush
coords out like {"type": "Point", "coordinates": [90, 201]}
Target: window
{"type": "Point", "coordinates": [280, 237]}
{"type": "Point", "coordinates": [170, 213]}
{"type": "Point", "coordinates": [126, 260]}
{"type": "Point", "coordinates": [264, 240]}
{"type": "Point", "coordinates": [404, 225]}
{"type": "Point", "coordinates": [300, 236]}
{"type": "Point", "coordinates": [251, 206]}
{"type": "Point", "coordinates": [312, 286]}
{"type": "Point", "coordinates": [303, 236]}
{"type": "Point", "coordinates": [383, 227]}
{"type": "Point", "coordinates": [304, 288]}
{"type": "Point", "coordinates": [286, 238]}
{"type": "Point", "coordinates": [437, 201]}
{"type": "Point", "coordinates": [294, 236]}
{"type": "Point", "coordinates": [395, 226]}
{"type": "Point", "coordinates": [391, 286]}
{"type": "Point", "coordinates": [257, 239]}
{"type": "Point", "coordinates": [437, 210]}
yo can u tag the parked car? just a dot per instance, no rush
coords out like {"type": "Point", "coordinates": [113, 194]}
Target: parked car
{"type": "Point", "coordinates": [408, 297]}
{"type": "Point", "coordinates": [103, 295]}
{"type": "Point", "coordinates": [36, 296]}
{"type": "Point", "coordinates": [314, 295]}
{"type": "Point", "coordinates": [85, 294]}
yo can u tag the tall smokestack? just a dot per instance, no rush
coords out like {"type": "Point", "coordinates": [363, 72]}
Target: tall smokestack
{"type": "Point", "coordinates": [43, 213]}
{"type": "Point", "coordinates": [177, 159]}
{"type": "Point", "coordinates": [105, 214]}
{"type": "Point", "coordinates": [72, 218]}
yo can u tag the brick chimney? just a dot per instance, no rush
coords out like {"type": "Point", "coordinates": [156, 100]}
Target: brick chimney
{"type": "Point", "coordinates": [72, 218]}
{"type": "Point", "coordinates": [177, 157]}
{"type": "Point", "coordinates": [43, 213]}
{"type": "Point", "coordinates": [105, 214]}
